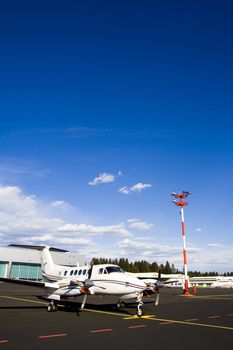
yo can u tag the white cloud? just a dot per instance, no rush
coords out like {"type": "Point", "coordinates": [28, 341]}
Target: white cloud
{"type": "Point", "coordinates": [124, 190]}
{"type": "Point", "coordinates": [137, 224]}
{"type": "Point", "coordinates": [135, 188]}
{"type": "Point", "coordinates": [199, 229]}
{"type": "Point", "coordinates": [49, 239]}
{"type": "Point", "coordinates": [118, 229]}
{"type": "Point", "coordinates": [139, 187]}
{"type": "Point", "coordinates": [24, 219]}
{"type": "Point", "coordinates": [59, 204]}
{"type": "Point", "coordinates": [135, 249]}
{"type": "Point", "coordinates": [102, 179]}
{"type": "Point", "coordinates": [12, 200]}
{"type": "Point", "coordinates": [213, 257]}
{"type": "Point", "coordinates": [215, 245]}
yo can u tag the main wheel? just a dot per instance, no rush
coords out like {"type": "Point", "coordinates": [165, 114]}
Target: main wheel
{"type": "Point", "coordinates": [54, 307]}
{"type": "Point", "coordinates": [120, 305]}
{"type": "Point", "coordinates": [50, 307]}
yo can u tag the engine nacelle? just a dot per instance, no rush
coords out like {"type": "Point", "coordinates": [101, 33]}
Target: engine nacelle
{"type": "Point", "coordinates": [69, 291]}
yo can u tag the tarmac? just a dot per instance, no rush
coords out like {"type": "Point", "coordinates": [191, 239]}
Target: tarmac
{"type": "Point", "coordinates": [194, 322]}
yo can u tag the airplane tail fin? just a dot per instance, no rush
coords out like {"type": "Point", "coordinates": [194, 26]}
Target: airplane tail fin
{"type": "Point", "coordinates": [47, 264]}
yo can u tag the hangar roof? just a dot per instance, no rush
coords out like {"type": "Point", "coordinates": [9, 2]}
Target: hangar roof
{"type": "Point", "coordinates": [32, 255]}
{"type": "Point", "coordinates": [36, 247]}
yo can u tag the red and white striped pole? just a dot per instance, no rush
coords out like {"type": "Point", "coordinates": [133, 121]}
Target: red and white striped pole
{"type": "Point", "coordinates": [182, 204]}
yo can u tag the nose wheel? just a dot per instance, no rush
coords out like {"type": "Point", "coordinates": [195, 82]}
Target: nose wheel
{"type": "Point", "coordinates": [139, 311]}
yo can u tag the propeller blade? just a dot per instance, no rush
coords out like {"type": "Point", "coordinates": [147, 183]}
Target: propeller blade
{"type": "Point", "coordinates": [84, 301]}
{"type": "Point", "coordinates": [89, 274]}
{"type": "Point", "coordinates": [157, 299]}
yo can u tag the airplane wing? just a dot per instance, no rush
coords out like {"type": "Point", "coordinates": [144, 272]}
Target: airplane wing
{"type": "Point", "coordinates": [38, 284]}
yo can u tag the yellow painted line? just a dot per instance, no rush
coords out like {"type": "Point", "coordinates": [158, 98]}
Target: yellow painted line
{"type": "Point", "coordinates": [219, 295]}
{"type": "Point", "coordinates": [22, 299]}
{"type": "Point", "coordinates": [167, 321]}
{"type": "Point", "coordinates": [135, 317]}
{"type": "Point", "coordinates": [106, 312]}
{"type": "Point", "coordinates": [126, 316]}
{"type": "Point", "coordinates": [123, 315]}
{"type": "Point", "coordinates": [213, 297]}
{"type": "Point", "coordinates": [191, 323]}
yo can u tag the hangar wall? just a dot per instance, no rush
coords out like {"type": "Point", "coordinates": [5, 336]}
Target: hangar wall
{"type": "Point", "coordinates": [25, 261]}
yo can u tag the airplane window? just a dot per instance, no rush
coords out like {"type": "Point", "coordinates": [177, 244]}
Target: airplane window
{"type": "Point", "coordinates": [65, 273]}
{"type": "Point", "coordinates": [111, 269]}
{"type": "Point", "coordinates": [75, 272]}
{"type": "Point", "coordinates": [84, 272]}
{"type": "Point", "coordinates": [101, 271]}
{"type": "Point", "coordinates": [80, 272]}
{"type": "Point", "coordinates": [71, 272]}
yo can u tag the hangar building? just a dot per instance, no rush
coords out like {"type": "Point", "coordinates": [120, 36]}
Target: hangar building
{"type": "Point", "coordinates": [23, 261]}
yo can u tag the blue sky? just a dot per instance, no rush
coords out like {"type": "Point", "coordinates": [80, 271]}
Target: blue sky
{"type": "Point", "coordinates": [106, 107]}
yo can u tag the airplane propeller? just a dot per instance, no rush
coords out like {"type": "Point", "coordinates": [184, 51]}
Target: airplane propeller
{"type": "Point", "coordinates": [87, 284]}
{"type": "Point", "coordinates": [153, 287]}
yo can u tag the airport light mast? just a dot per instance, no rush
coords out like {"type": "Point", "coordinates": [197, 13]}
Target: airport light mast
{"type": "Point", "coordinates": [181, 203]}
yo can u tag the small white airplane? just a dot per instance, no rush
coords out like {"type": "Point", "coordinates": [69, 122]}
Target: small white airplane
{"type": "Point", "coordinates": [104, 279]}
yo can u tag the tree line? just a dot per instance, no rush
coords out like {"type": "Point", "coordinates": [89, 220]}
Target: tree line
{"type": "Point", "coordinates": [145, 266]}
{"type": "Point", "coordinates": [138, 266]}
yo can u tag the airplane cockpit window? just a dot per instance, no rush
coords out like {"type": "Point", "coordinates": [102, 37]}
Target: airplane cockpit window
{"type": "Point", "coordinates": [111, 269]}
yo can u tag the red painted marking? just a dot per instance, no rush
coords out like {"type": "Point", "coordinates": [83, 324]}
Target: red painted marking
{"type": "Point", "coordinates": [192, 319]}
{"type": "Point", "coordinates": [183, 231]}
{"type": "Point", "coordinates": [139, 326]}
{"type": "Point", "coordinates": [4, 341]}
{"type": "Point", "coordinates": [185, 257]}
{"type": "Point", "coordinates": [214, 316]}
{"type": "Point", "coordinates": [164, 323]}
{"type": "Point", "coordinates": [101, 330]}
{"type": "Point", "coordinates": [52, 336]}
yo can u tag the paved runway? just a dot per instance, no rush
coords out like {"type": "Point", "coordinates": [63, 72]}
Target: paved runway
{"type": "Point", "coordinates": [196, 322]}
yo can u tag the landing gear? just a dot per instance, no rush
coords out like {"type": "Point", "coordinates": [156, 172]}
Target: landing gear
{"type": "Point", "coordinates": [120, 305]}
{"type": "Point", "coordinates": [139, 310]}
{"type": "Point", "coordinates": [52, 307]}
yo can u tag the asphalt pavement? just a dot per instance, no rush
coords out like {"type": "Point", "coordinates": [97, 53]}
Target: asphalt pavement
{"type": "Point", "coordinates": [195, 322]}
